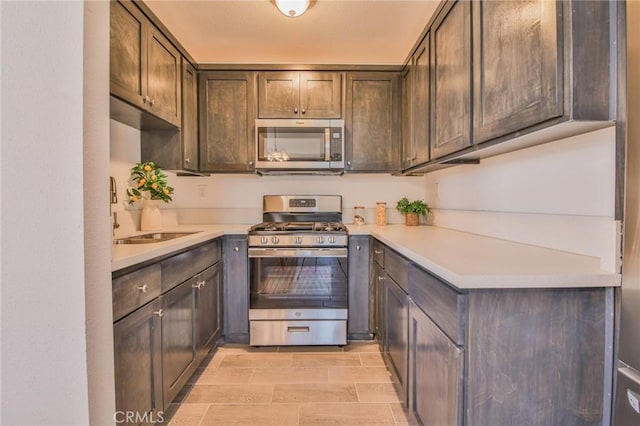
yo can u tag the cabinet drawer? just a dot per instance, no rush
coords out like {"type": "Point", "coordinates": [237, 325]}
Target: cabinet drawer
{"type": "Point", "coordinates": [183, 266]}
{"type": "Point", "coordinates": [378, 252]}
{"type": "Point", "coordinates": [133, 290]}
{"type": "Point", "coordinates": [396, 266]}
{"type": "Point", "coordinates": [439, 301]}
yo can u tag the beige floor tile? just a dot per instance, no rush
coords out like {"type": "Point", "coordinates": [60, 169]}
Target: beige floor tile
{"type": "Point", "coordinates": [359, 374]}
{"type": "Point", "coordinates": [326, 360]}
{"type": "Point", "coordinates": [256, 360]}
{"type": "Point", "coordinates": [185, 414]}
{"type": "Point", "coordinates": [315, 392]}
{"type": "Point", "coordinates": [377, 392]}
{"type": "Point", "coordinates": [214, 376]}
{"type": "Point", "coordinates": [311, 349]}
{"type": "Point", "coordinates": [402, 416]}
{"type": "Point", "coordinates": [290, 375]}
{"type": "Point", "coordinates": [371, 359]}
{"type": "Point", "coordinates": [229, 394]}
{"type": "Point", "coordinates": [371, 346]}
{"type": "Point", "coordinates": [251, 415]}
{"type": "Point", "coordinates": [346, 414]}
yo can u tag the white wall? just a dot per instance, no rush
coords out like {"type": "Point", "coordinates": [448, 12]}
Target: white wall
{"type": "Point", "coordinates": [44, 359]}
{"type": "Point", "coordinates": [559, 195]}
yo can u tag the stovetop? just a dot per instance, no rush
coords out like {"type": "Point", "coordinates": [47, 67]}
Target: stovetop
{"type": "Point", "coordinates": [297, 227]}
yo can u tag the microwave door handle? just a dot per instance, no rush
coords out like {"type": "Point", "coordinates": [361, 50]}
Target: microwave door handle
{"type": "Point", "coordinates": [327, 144]}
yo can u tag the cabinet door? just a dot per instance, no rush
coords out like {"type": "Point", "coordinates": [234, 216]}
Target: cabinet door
{"type": "Point", "coordinates": [435, 373]}
{"type": "Point", "coordinates": [279, 94]}
{"type": "Point", "coordinates": [137, 361]}
{"type": "Point", "coordinates": [189, 117]}
{"type": "Point", "coordinates": [451, 79]}
{"type": "Point", "coordinates": [378, 278]}
{"type": "Point", "coordinates": [407, 154]}
{"type": "Point", "coordinates": [164, 78]}
{"type": "Point", "coordinates": [236, 289]}
{"type": "Point", "coordinates": [516, 67]}
{"type": "Point", "coordinates": [396, 311]}
{"type": "Point", "coordinates": [128, 53]}
{"type": "Point", "coordinates": [320, 95]}
{"type": "Point", "coordinates": [358, 319]}
{"type": "Point", "coordinates": [420, 123]}
{"type": "Point", "coordinates": [227, 121]}
{"type": "Point", "coordinates": [208, 309]}
{"type": "Point", "coordinates": [372, 122]}
{"type": "Point", "coordinates": [177, 339]}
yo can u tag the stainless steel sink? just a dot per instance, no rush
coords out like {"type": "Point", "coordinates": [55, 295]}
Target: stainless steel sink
{"type": "Point", "coordinates": [154, 237]}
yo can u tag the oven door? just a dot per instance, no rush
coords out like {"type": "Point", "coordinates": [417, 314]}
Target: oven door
{"type": "Point", "coordinates": [284, 281]}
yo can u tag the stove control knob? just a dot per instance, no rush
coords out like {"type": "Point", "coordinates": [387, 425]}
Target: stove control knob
{"type": "Point", "coordinates": [298, 240]}
{"type": "Point", "coordinates": [332, 240]}
{"type": "Point", "coordinates": [275, 240]}
{"type": "Point", "coordinates": [320, 240]}
{"type": "Point", "coordinates": [264, 240]}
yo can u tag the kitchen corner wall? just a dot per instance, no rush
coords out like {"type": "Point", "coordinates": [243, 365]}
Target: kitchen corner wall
{"type": "Point", "coordinates": [237, 198]}
{"type": "Point", "coordinates": [559, 195]}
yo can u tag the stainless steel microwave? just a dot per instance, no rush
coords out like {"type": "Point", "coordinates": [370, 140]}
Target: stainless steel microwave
{"type": "Point", "coordinates": [289, 146]}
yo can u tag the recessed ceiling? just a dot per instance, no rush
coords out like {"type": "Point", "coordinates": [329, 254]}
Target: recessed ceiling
{"type": "Point", "coordinates": [372, 32]}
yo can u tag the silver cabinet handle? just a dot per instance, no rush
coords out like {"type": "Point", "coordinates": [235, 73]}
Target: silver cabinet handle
{"type": "Point", "coordinates": [145, 99]}
{"type": "Point", "coordinates": [159, 313]}
{"type": "Point", "coordinates": [348, 163]}
{"type": "Point", "coordinates": [304, 111]}
{"type": "Point", "coordinates": [380, 278]}
{"type": "Point", "coordinates": [143, 288]}
{"type": "Point", "coordinates": [358, 248]}
{"type": "Point", "coordinates": [236, 249]}
{"type": "Point", "coordinates": [202, 283]}
{"type": "Point", "coordinates": [377, 251]}
{"type": "Point", "coordinates": [295, 110]}
{"type": "Point", "coordinates": [153, 102]}
{"type": "Point", "coordinates": [198, 284]}
{"type": "Point", "coordinates": [251, 163]}
{"type": "Point", "coordinates": [187, 160]}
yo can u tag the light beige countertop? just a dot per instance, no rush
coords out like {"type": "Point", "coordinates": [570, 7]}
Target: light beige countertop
{"type": "Point", "coordinates": [468, 261]}
{"type": "Point", "coordinates": [124, 255]}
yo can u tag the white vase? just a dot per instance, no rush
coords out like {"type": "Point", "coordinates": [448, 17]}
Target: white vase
{"type": "Point", "coordinates": [151, 217]}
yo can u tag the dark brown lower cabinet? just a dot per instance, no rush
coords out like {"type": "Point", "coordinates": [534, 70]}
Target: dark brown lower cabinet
{"type": "Point", "coordinates": [358, 324]}
{"type": "Point", "coordinates": [396, 317]}
{"type": "Point", "coordinates": [178, 350]}
{"type": "Point", "coordinates": [207, 309]}
{"type": "Point", "coordinates": [435, 372]}
{"type": "Point", "coordinates": [158, 344]}
{"type": "Point", "coordinates": [137, 361]}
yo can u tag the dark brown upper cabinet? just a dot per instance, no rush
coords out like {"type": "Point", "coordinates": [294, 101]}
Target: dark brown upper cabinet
{"type": "Point", "coordinates": [451, 79]}
{"type": "Point", "coordinates": [538, 60]}
{"type": "Point", "coordinates": [145, 67]}
{"type": "Point", "coordinates": [415, 107]}
{"type": "Point", "coordinates": [372, 122]}
{"type": "Point", "coordinates": [227, 119]}
{"type": "Point", "coordinates": [300, 94]}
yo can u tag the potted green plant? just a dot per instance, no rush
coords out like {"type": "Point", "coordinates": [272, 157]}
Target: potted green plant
{"type": "Point", "coordinates": [412, 210]}
{"type": "Point", "coordinates": [149, 185]}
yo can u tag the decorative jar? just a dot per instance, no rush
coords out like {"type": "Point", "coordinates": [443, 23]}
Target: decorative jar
{"type": "Point", "coordinates": [381, 213]}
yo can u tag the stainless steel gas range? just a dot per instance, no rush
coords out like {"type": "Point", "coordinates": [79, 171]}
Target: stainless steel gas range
{"type": "Point", "coordinates": [298, 272]}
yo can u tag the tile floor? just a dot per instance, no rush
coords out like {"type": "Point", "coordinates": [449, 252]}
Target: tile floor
{"type": "Point", "coordinates": [240, 385]}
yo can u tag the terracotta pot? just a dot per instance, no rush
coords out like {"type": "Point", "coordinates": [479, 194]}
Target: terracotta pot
{"type": "Point", "coordinates": [411, 219]}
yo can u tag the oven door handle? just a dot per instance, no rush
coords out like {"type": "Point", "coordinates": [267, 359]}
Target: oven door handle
{"type": "Point", "coordinates": [297, 252]}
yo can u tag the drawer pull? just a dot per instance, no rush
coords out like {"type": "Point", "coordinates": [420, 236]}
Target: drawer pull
{"type": "Point", "coordinates": [143, 288]}
{"type": "Point", "coordinates": [159, 313]}
{"type": "Point", "coordinates": [298, 329]}
{"type": "Point", "coordinates": [236, 249]}
{"type": "Point", "coordinates": [380, 278]}
{"type": "Point", "coordinates": [198, 284]}
{"type": "Point", "coordinates": [377, 251]}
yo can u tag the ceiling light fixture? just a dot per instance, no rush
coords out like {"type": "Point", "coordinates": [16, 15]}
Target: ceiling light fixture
{"type": "Point", "coordinates": [293, 8]}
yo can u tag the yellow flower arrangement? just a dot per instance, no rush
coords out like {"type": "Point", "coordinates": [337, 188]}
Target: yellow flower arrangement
{"type": "Point", "coordinates": [147, 177]}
